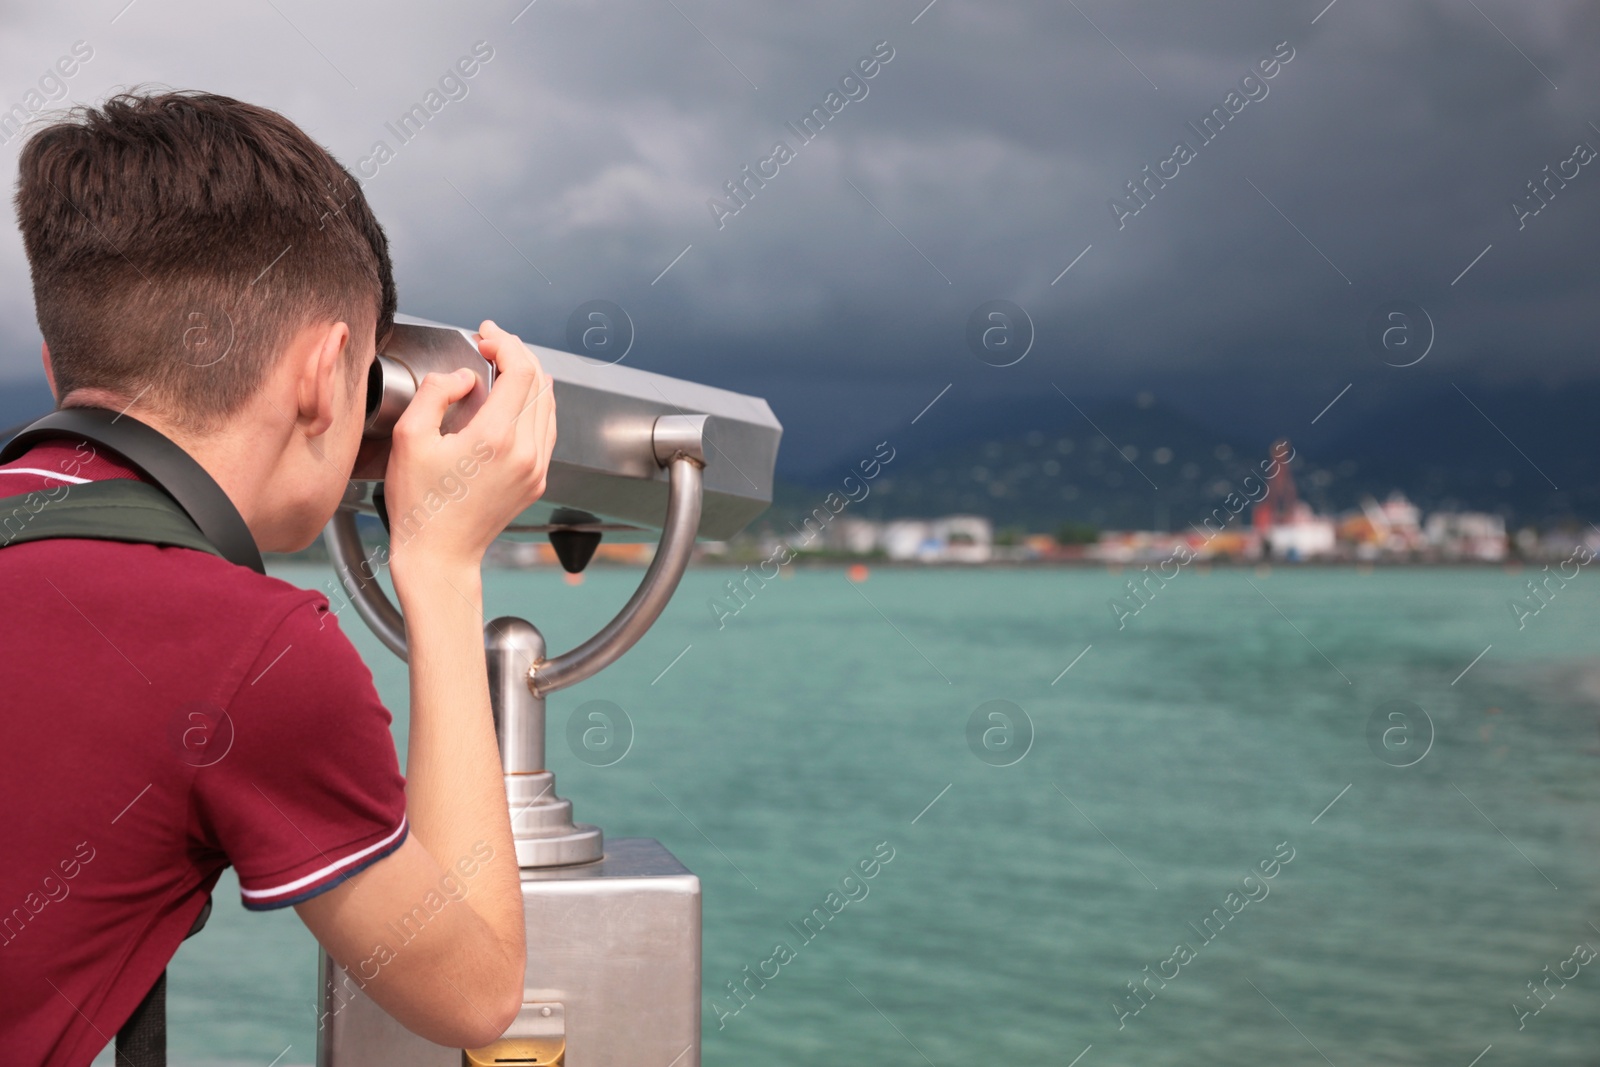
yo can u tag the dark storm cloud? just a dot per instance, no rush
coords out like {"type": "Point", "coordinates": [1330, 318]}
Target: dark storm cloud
{"type": "Point", "coordinates": [980, 161]}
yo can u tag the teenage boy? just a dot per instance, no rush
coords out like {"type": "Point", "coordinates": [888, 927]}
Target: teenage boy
{"type": "Point", "coordinates": [201, 265]}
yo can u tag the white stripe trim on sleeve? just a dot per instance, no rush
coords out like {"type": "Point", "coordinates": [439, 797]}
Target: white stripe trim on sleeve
{"type": "Point", "coordinates": [71, 478]}
{"type": "Point", "coordinates": [319, 875]}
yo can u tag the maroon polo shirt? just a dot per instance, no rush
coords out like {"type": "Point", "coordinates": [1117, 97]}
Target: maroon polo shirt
{"type": "Point", "coordinates": [163, 714]}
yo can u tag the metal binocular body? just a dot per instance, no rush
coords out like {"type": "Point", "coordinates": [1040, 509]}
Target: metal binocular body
{"type": "Point", "coordinates": [613, 927]}
{"type": "Point", "coordinates": [606, 473]}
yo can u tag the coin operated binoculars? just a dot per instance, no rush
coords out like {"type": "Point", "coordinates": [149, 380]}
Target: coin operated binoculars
{"type": "Point", "coordinates": [613, 974]}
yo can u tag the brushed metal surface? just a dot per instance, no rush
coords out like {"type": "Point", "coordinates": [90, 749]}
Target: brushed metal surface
{"type": "Point", "coordinates": [511, 647]}
{"type": "Point", "coordinates": [616, 942]}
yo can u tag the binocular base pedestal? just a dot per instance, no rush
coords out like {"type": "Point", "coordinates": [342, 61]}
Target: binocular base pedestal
{"type": "Point", "coordinates": [613, 953]}
{"type": "Point", "coordinates": [542, 826]}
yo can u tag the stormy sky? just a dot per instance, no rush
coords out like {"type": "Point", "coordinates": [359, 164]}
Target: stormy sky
{"type": "Point", "coordinates": [982, 159]}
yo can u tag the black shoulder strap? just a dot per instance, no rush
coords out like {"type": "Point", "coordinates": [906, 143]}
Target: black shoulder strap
{"type": "Point", "coordinates": [173, 469]}
{"type": "Point", "coordinates": [142, 1041]}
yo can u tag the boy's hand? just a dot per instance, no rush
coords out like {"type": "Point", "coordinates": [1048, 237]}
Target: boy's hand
{"type": "Point", "coordinates": [450, 495]}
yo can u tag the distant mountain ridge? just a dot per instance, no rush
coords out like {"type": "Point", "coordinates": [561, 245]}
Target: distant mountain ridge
{"type": "Point", "coordinates": [1040, 463]}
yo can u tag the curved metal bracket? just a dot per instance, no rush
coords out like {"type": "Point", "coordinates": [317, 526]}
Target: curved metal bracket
{"type": "Point", "coordinates": [360, 581]}
{"type": "Point", "coordinates": [678, 444]}
{"type": "Point", "coordinates": [655, 589]}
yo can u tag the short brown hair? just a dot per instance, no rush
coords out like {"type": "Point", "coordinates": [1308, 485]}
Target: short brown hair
{"type": "Point", "coordinates": [178, 241]}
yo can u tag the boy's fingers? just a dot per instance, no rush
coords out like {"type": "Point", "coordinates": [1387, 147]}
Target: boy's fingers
{"type": "Point", "coordinates": [517, 373]}
{"type": "Point", "coordinates": [540, 427]}
{"type": "Point", "coordinates": [436, 393]}
{"type": "Point", "coordinates": [549, 443]}
{"type": "Point", "coordinates": [542, 437]}
{"type": "Point", "coordinates": [523, 425]}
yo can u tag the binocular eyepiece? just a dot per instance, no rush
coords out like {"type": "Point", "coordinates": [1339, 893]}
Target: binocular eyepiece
{"type": "Point", "coordinates": [411, 354]}
{"type": "Point", "coordinates": [399, 369]}
{"type": "Point", "coordinates": [390, 388]}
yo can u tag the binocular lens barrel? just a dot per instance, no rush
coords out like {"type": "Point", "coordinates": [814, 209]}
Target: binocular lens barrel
{"type": "Point", "coordinates": [390, 388]}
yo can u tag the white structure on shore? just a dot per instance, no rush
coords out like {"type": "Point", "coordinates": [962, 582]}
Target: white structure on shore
{"type": "Point", "coordinates": [856, 536]}
{"type": "Point", "coordinates": [1467, 534]}
{"type": "Point", "coordinates": [1302, 535]}
{"type": "Point", "coordinates": [953, 539]}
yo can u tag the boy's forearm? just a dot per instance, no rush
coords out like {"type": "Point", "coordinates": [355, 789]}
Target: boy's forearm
{"type": "Point", "coordinates": [455, 793]}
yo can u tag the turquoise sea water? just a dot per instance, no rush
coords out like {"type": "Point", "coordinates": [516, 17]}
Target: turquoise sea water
{"type": "Point", "coordinates": [1173, 757]}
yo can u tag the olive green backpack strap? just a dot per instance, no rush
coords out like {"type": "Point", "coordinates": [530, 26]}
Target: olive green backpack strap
{"type": "Point", "coordinates": [115, 509]}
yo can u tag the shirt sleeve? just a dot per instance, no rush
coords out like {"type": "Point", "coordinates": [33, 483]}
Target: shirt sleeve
{"type": "Point", "coordinates": [297, 780]}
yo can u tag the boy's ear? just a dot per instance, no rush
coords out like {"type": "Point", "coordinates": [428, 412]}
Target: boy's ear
{"type": "Point", "coordinates": [49, 373]}
{"type": "Point", "coordinates": [321, 376]}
